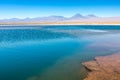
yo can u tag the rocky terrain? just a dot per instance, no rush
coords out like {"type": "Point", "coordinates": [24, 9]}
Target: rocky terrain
{"type": "Point", "coordinates": [104, 68]}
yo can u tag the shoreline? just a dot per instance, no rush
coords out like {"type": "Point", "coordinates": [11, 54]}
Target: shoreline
{"type": "Point", "coordinates": [103, 68]}
{"type": "Point", "coordinates": [42, 25]}
{"type": "Point", "coordinates": [56, 23]}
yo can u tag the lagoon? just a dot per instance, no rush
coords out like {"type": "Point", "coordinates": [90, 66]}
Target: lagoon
{"type": "Point", "coordinates": [53, 52]}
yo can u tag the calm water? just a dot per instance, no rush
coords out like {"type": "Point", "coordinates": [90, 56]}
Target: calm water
{"type": "Point", "coordinates": [53, 52]}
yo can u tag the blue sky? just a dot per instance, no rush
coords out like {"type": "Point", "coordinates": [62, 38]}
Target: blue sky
{"type": "Point", "coordinates": [39, 8]}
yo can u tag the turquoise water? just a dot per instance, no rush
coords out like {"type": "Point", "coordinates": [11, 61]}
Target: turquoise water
{"type": "Point", "coordinates": [53, 52]}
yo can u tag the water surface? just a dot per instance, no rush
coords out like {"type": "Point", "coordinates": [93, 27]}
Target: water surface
{"type": "Point", "coordinates": [53, 52]}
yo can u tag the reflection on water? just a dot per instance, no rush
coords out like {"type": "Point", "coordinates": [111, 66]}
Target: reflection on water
{"type": "Point", "coordinates": [53, 52]}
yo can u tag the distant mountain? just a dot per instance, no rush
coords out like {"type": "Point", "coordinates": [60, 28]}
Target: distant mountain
{"type": "Point", "coordinates": [46, 19]}
{"type": "Point", "coordinates": [91, 16]}
{"type": "Point", "coordinates": [76, 17]}
{"type": "Point", "coordinates": [49, 18]}
{"type": "Point", "coordinates": [37, 19]}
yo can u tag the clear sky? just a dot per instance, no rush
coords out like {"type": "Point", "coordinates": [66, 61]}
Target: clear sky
{"type": "Point", "coordinates": [39, 8]}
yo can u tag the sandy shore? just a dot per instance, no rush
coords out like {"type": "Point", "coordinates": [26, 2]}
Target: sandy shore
{"type": "Point", "coordinates": [104, 68]}
{"type": "Point", "coordinates": [58, 23]}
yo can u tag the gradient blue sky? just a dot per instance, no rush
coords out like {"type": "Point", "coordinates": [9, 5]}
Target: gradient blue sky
{"type": "Point", "coordinates": [39, 8]}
